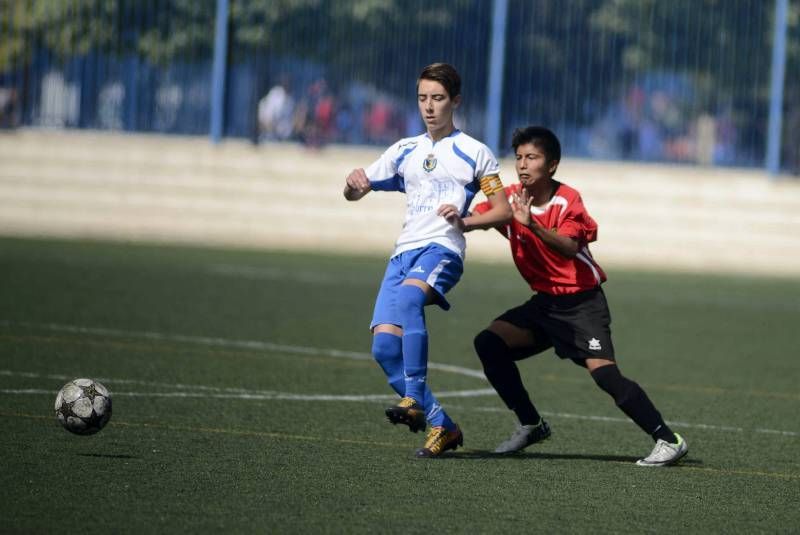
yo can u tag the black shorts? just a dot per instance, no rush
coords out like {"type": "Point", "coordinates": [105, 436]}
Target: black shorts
{"type": "Point", "coordinates": [576, 325]}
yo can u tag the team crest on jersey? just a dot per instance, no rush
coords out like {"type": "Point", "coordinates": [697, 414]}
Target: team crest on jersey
{"type": "Point", "coordinates": [429, 164]}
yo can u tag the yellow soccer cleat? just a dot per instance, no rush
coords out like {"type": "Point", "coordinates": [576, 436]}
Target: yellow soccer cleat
{"type": "Point", "coordinates": [407, 412]}
{"type": "Point", "coordinates": [440, 440]}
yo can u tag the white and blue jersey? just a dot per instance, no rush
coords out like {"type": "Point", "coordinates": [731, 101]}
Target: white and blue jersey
{"type": "Point", "coordinates": [433, 173]}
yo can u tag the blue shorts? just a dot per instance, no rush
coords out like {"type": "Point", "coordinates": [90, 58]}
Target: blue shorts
{"type": "Point", "coordinates": [433, 264]}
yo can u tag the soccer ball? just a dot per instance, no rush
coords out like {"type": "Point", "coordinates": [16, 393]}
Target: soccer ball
{"type": "Point", "coordinates": [83, 406]}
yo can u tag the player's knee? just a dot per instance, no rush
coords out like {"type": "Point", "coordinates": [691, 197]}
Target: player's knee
{"type": "Point", "coordinates": [387, 349]}
{"type": "Point", "coordinates": [490, 347]}
{"type": "Point", "coordinates": [410, 306]}
{"type": "Point", "coordinates": [610, 380]}
{"type": "Point", "coordinates": [410, 298]}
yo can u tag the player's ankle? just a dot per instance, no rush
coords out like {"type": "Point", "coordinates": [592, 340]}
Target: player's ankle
{"type": "Point", "coordinates": [663, 432]}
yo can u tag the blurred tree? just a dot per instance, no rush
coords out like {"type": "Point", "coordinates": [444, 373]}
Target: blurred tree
{"type": "Point", "coordinates": [16, 28]}
{"type": "Point", "coordinates": [653, 34]}
{"type": "Point", "coordinates": [168, 30]}
{"type": "Point", "coordinates": [174, 30]}
{"type": "Point", "coordinates": [350, 35]}
{"type": "Point", "coordinates": [693, 38]}
{"type": "Point", "coordinates": [65, 28]}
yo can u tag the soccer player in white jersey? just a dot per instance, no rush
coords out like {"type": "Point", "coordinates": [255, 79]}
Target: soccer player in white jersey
{"type": "Point", "coordinates": [440, 172]}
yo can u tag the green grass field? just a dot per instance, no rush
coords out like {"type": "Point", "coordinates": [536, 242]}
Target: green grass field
{"type": "Point", "coordinates": [245, 400]}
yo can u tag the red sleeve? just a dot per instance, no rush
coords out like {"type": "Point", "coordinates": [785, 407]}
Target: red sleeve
{"type": "Point", "coordinates": [576, 223]}
{"type": "Point", "coordinates": [482, 207]}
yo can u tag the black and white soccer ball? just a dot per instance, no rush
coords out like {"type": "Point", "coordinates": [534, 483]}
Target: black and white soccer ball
{"type": "Point", "coordinates": [83, 406]}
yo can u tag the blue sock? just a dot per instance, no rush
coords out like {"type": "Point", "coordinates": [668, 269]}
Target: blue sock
{"type": "Point", "coordinates": [411, 305]}
{"type": "Point", "coordinates": [388, 352]}
{"type": "Point", "coordinates": [434, 411]}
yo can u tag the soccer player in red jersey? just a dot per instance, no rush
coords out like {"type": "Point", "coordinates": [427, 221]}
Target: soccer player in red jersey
{"type": "Point", "coordinates": [549, 237]}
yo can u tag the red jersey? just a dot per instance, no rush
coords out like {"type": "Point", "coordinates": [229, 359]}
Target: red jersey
{"type": "Point", "coordinates": [543, 268]}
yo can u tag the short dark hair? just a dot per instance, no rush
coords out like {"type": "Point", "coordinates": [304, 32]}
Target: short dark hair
{"type": "Point", "coordinates": [540, 137]}
{"type": "Point", "coordinates": [445, 74]}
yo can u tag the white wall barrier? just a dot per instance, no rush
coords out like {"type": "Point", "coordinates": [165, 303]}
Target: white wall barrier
{"type": "Point", "coordinates": [183, 190]}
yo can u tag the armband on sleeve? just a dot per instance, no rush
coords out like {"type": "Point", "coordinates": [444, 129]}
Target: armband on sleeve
{"type": "Point", "coordinates": [491, 184]}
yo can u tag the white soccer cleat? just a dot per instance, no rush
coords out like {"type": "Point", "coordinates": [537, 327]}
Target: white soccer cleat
{"type": "Point", "coordinates": [524, 436]}
{"type": "Point", "coordinates": [665, 454]}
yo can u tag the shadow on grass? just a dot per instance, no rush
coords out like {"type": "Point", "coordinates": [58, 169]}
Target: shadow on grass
{"type": "Point", "coordinates": [108, 455]}
{"type": "Point", "coordinates": [520, 456]}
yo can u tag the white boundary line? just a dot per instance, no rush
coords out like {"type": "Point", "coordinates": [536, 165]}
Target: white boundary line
{"type": "Point", "coordinates": [202, 391]}
{"type": "Point", "coordinates": [282, 396]}
{"type": "Point", "coordinates": [225, 342]}
{"type": "Point", "coordinates": [257, 396]}
{"type": "Point", "coordinates": [266, 395]}
{"type": "Point", "coordinates": [676, 423]}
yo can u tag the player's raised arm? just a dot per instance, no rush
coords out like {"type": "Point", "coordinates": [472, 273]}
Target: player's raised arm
{"type": "Point", "coordinates": [356, 185]}
{"type": "Point", "coordinates": [563, 245]}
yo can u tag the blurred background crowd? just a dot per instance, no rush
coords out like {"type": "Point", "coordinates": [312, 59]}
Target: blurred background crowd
{"type": "Point", "coordinates": [684, 81]}
{"type": "Point", "coordinates": [649, 122]}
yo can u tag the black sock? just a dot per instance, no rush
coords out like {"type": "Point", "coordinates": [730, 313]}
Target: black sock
{"type": "Point", "coordinates": [663, 432]}
{"type": "Point", "coordinates": [633, 401]}
{"type": "Point", "coordinates": [526, 412]}
{"type": "Point", "coordinates": [503, 375]}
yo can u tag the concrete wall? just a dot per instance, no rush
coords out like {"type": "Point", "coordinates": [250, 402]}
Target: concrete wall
{"type": "Point", "coordinates": [183, 190]}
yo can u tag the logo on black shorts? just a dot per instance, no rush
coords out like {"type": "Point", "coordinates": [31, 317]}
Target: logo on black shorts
{"type": "Point", "coordinates": [594, 344]}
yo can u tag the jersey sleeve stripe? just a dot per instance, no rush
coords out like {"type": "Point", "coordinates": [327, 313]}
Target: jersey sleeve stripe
{"type": "Point", "coordinates": [461, 154]}
{"type": "Point", "coordinates": [582, 257]}
{"type": "Point", "coordinates": [402, 157]}
{"type": "Point", "coordinates": [395, 183]}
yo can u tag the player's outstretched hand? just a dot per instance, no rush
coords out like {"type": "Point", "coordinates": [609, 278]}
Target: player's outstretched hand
{"type": "Point", "coordinates": [452, 215]}
{"type": "Point", "coordinates": [521, 203]}
{"type": "Point", "coordinates": [356, 185]}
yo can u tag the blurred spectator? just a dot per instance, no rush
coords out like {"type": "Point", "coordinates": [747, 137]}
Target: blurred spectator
{"type": "Point", "coordinates": [413, 123]}
{"type": "Point", "coordinates": [345, 124]}
{"type": "Point", "coordinates": [377, 122]}
{"type": "Point", "coordinates": [652, 121]}
{"type": "Point", "coordinates": [324, 114]}
{"type": "Point", "coordinates": [706, 133]}
{"type": "Point", "coordinates": [630, 122]}
{"type": "Point", "coordinates": [309, 113]}
{"type": "Point", "coordinates": [791, 131]}
{"type": "Point", "coordinates": [726, 138]}
{"type": "Point", "coordinates": [110, 102]}
{"type": "Point", "coordinates": [9, 110]}
{"type": "Point", "coordinates": [673, 126]}
{"type": "Point", "coordinates": [275, 113]}
{"type": "Point", "coordinates": [319, 115]}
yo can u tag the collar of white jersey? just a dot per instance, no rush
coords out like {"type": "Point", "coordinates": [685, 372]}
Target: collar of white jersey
{"type": "Point", "coordinates": [454, 133]}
